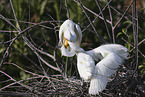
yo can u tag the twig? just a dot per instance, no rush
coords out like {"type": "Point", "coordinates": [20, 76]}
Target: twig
{"type": "Point", "coordinates": [34, 74]}
{"type": "Point", "coordinates": [28, 44]}
{"type": "Point", "coordinates": [123, 14]}
{"type": "Point", "coordinates": [68, 15]}
{"type": "Point", "coordinates": [101, 38]}
{"type": "Point", "coordinates": [112, 24]}
{"type": "Point", "coordinates": [28, 87]}
{"type": "Point", "coordinates": [104, 19]}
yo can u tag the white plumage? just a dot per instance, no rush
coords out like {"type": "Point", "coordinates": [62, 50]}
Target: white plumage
{"type": "Point", "coordinates": [69, 33]}
{"type": "Point", "coordinates": [111, 55]}
{"type": "Point", "coordinates": [85, 65]}
{"type": "Point", "coordinates": [71, 50]}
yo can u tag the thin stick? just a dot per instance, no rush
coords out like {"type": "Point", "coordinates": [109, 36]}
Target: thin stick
{"type": "Point", "coordinates": [101, 38]}
{"type": "Point", "coordinates": [112, 24]}
{"type": "Point", "coordinates": [104, 19]}
{"type": "Point", "coordinates": [123, 14]}
{"type": "Point", "coordinates": [68, 15]}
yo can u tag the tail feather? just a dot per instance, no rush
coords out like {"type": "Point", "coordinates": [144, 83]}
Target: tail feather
{"type": "Point", "coordinates": [97, 84]}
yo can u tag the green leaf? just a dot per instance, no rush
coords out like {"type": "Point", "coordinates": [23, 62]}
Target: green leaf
{"type": "Point", "coordinates": [2, 50]}
{"type": "Point", "coordinates": [24, 75]}
{"type": "Point", "coordinates": [127, 22]}
{"type": "Point", "coordinates": [17, 7]}
{"type": "Point", "coordinates": [57, 10]}
{"type": "Point", "coordinates": [124, 31]}
{"type": "Point", "coordinates": [42, 7]}
{"type": "Point", "coordinates": [142, 67]}
{"type": "Point", "coordinates": [120, 33]}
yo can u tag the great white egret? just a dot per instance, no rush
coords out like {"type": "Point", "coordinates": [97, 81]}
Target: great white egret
{"type": "Point", "coordinates": [111, 56]}
{"type": "Point", "coordinates": [70, 36]}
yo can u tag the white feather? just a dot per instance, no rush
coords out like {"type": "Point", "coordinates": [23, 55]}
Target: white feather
{"type": "Point", "coordinates": [79, 34]}
{"type": "Point", "coordinates": [70, 36]}
{"type": "Point", "coordinates": [111, 55]}
{"type": "Point", "coordinates": [114, 56]}
{"type": "Point", "coordinates": [66, 29]}
{"type": "Point", "coordinates": [67, 52]}
{"type": "Point", "coordinates": [97, 84]}
{"type": "Point", "coordinates": [85, 65]}
{"type": "Point", "coordinates": [71, 50]}
{"type": "Point", "coordinates": [110, 48]}
{"type": "Point", "coordinates": [104, 69]}
{"type": "Point", "coordinates": [71, 31]}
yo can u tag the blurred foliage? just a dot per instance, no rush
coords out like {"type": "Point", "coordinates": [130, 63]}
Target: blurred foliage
{"type": "Point", "coordinates": [35, 11]}
{"type": "Point", "coordinates": [142, 68]}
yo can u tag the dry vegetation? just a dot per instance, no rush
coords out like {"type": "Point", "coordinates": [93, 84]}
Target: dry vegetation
{"type": "Point", "coordinates": [31, 63]}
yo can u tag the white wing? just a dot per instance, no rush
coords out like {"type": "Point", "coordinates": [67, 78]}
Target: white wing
{"type": "Point", "coordinates": [97, 84]}
{"type": "Point", "coordinates": [85, 65]}
{"type": "Point", "coordinates": [103, 70]}
{"type": "Point", "coordinates": [114, 48]}
{"type": "Point", "coordinates": [108, 48]}
{"type": "Point", "coordinates": [95, 54]}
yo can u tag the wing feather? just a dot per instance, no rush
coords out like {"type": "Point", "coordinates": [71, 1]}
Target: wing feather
{"type": "Point", "coordinates": [85, 65]}
{"type": "Point", "coordinates": [103, 70]}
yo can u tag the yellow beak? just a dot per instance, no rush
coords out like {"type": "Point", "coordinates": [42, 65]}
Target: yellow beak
{"type": "Point", "coordinates": [65, 44]}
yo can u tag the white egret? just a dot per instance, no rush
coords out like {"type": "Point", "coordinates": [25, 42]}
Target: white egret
{"type": "Point", "coordinates": [111, 56]}
{"type": "Point", "coordinates": [70, 36]}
